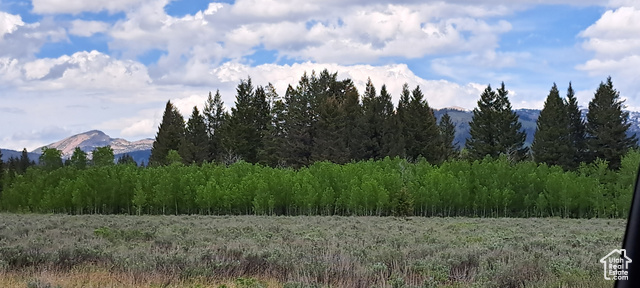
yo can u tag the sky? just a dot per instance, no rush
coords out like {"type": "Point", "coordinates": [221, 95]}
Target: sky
{"type": "Point", "coordinates": [69, 66]}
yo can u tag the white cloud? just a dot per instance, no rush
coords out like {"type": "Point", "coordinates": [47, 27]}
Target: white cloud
{"type": "Point", "coordinates": [23, 40]}
{"type": "Point", "coordinates": [615, 34]}
{"type": "Point", "coordinates": [439, 93]}
{"type": "Point", "coordinates": [615, 40]}
{"type": "Point", "coordinates": [88, 71]}
{"type": "Point", "coordinates": [274, 9]}
{"type": "Point", "coordinates": [78, 6]}
{"type": "Point", "coordinates": [87, 28]}
{"type": "Point", "coordinates": [9, 23]}
{"type": "Point", "coordinates": [348, 32]}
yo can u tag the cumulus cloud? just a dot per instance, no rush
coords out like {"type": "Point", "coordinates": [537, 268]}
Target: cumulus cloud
{"type": "Point", "coordinates": [439, 93]}
{"type": "Point", "coordinates": [78, 6]}
{"type": "Point", "coordinates": [348, 32]}
{"type": "Point", "coordinates": [89, 71]}
{"type": "Point", "coordinates": [22, 40]}
{"type": "Point", "coordinates": [615, 40]}
{"type": "Point", "coordinates": [616, 34]}
{"type": "Point", "coordinates": [9, 23]}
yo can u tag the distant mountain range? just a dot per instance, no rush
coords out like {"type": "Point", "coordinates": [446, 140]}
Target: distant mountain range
{"type": "Point", "coordinates": [88, 141]}
{"type": "Point", "coordinates": [8, 153]}
{"type": "Point", "coordinates": [528, 118]}
{"type": "Point", "coordinates": [141, 150]}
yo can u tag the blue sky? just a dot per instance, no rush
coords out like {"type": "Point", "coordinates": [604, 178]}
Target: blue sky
{"type": "Point", "coordinates": [68, 66]}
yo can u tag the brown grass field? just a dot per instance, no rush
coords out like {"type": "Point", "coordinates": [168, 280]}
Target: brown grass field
{"type": "Point", "coordinates": [49, 251]}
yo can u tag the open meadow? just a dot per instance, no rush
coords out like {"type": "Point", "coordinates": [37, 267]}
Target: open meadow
{"type": "Point", "coordinates": [302, 251]}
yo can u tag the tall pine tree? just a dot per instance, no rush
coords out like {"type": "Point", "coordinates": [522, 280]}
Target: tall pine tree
{"type": "Point", "coordinates": [512, 137]}
{"type": "Point", "coordinates": [372, 107]}
{"type": "Point", "coordinates": [239, 131]}
{"type": "Point", "coordinates": [607, 126]}
{"type": "Point", "coordinates": [448, 148]}
{"type": "Point", "coordinates": [354, 136]}
{"type": "Point", "coordinates": [551, 143]}
{"type": "Point", "coordinates": [169, 137]}
{"type": "Point", "coordinates": [422, 133]}
{"type": "Point", "coordinates": [24, 162]}
{"type": "Point", "coordinates": [272, 152]}
{"type": "Point", "coordinates": [401, 119]}
{"type": "Point", "coordinates": [299, 122]}
{"type": "Point", "coordinates": [391, 134]}
{"type": "Point", "coordinates": [494, 127]}
{"type": "Point", "coordinates": [195, 147]}
{"type": "Point", "coordinates": [329, 143]}
{"type": "Point", "coordinates": [577, 130]}
{"type": "Point", "coordinates": [215, 116]}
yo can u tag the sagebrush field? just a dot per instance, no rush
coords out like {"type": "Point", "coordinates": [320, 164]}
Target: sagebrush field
{"type": "Point", "coordinates": [303, 251]}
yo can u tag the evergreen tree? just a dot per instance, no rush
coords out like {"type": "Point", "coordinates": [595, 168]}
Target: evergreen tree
{"type": "Point", "coordinates": [422, 133]}
{"type": "Point", "coordinates": [50, 159]}
{"type": "Point", "coordinates": [215, 116]}
{"type": "Point", "coordinates": [374, 118]}
{"type": "Point", "coordinates": [402, 119]}
{"type": "Point", "coordinates": [391, 144]}
{"type": "Point", "coordinates": [494, 127]}
{"type": "Point", "coordinates": [170, 135]}
{"type": "Point", "coordinates": [551, 143]}
{"type": "Point", "coordinates": [330, 144]}
{"type": "Point", "coordinates": [12, 167]}
{"type": "Point", "coordinates": [126, 159]}
{"type": "Point", "coordinates": [607, 126]}
{"type": "Point", "coordinates": [447, 137]}
{"type": "Point", "coordinates": [195, 147]}
{"type": "Point", "coordinates": [482, 132]}
{"type": "Point", "coordinates": [577, 137]}
{"type": "Point", "coordinates": [328, 118]}
{"type": "Point", "coordinates": [78, 159]}
{"type": "Point", "coordinates": [102, 156]}
{"type": "Point", "coordinates": [298, 124]}
{"type": "Point", "coordinates": [248, 122]}
{"type": "Point", "coordinates": [512, 137]}
{"type": "Point", "coordinates": [354, 136]}
{"type": "Point", "coordinates": [261, 117]}
{"type": "Point", "coordinates": [25, 162]}
{"type": "Point", "coordinates": [273, 141]}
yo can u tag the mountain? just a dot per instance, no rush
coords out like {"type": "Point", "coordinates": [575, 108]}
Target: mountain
{"type": "Point", "coordinates": [528, 118]}
{"type": "Point", "coordinates": [8, 153]}
{"type": "Point", "coordinates": [89, 140]}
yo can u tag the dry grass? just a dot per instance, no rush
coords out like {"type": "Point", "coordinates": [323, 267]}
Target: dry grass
{"type": "Point", "coordinates": [90, 277]}
{"type": "Point", "coordinates": [252, 251]}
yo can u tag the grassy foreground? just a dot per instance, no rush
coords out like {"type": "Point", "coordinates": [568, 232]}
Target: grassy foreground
{"type": "Point", "coordinates": [253, 251]}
